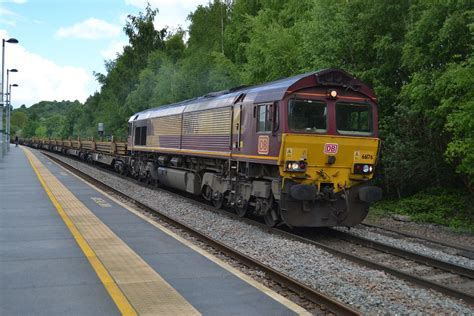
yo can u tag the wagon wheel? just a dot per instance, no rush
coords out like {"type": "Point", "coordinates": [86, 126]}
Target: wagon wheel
{"type": "Point", "coordinates": [124, 170]}
{"type": "Point", "coordinates": [149, 179]}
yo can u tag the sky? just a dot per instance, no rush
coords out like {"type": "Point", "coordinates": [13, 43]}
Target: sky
{"type": "Point", "coordinates": [62, 42]}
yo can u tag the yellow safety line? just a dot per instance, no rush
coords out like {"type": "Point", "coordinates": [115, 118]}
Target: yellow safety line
{"type": "Point", "coordinates": [112, 288]}
{"type": "Point", "coordinates": [269, 292]}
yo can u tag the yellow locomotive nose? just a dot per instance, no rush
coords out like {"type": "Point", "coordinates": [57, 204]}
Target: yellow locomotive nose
{"type": "Point", "coordinates": [332, 188]}
{"type": "Point", "coordinates": [351, 164]}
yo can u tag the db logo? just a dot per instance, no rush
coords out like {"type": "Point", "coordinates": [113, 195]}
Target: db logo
{"type": "Point", "coordinates": [331, 148]}
{"type": "Point", "coordinates": [263, 145]}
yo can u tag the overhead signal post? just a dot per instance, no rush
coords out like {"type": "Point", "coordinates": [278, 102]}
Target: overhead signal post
{"type": "Point", "coordinates": [2, 142]}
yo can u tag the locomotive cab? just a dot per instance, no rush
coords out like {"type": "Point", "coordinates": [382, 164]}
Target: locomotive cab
{"type": "Point", "coordinates": [328, 155]}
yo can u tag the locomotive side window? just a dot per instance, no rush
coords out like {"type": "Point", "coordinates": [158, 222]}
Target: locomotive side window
{"type": "Point", "coordinates": [307, 116]}
{"type": "Point", "coordinates": [264, 122]}
{"type": "Point", "coordinates": [143, 136]}
{"type": "Point", "coordinates": [354, 118]}
{"type": "Point", "coordinates": [140, 136]}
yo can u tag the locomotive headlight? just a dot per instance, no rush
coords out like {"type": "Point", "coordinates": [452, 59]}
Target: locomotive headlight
{"type": "Point", "coordinates": [361, 168]}
{"type": "Point", "coordinates": [295, 166]}
{"type": "Point", "coordinates": [332, 94]}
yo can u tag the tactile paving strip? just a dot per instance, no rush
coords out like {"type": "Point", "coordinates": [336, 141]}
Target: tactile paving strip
{"type": "Point", "coordinates": [144, 288]}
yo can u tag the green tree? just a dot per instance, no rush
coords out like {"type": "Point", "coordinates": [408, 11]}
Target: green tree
{"type": "Point", "coordinates": [19, 121]}
{"type": "Point", "coordinates": [41, 132]}
{"type": "Point", "coordinates": [207, 27]}
{"type": "Point", "coordinates": [436, 45]}
{"type": "Point", "coordinates": [456, 94]}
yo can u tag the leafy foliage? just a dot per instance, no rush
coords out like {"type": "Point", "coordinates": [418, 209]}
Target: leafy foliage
{"type": "Point", "coordinates": [45, 119]}
{"type": "Point", "coordinates": [452, 208]}
{"type": "Point", "coordinates": [417, 55]}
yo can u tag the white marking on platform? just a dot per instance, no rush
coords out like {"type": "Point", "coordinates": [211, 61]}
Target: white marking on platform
{"type": "Point", "coordinates": [101, 202]}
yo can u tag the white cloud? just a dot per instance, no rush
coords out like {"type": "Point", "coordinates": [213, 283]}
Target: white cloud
{"type": "Point", "coordinates": [91, 28]}
{"type": "Point", "coordinates": [6, 12]}
{"type": "Point", "coordinates": [171, 14]}
{"type": "Point", "coordinates": [114, 48]}
{"type": "Point", "coordinates": [15, 1]}
{"type": "Point", "coordinates": [8, 17]}
{"type": "Point", "coordinates": [41, 79]}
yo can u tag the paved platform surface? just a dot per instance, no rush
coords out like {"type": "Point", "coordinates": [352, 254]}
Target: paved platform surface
{"type": "Point", "coordinates": [68, 248]}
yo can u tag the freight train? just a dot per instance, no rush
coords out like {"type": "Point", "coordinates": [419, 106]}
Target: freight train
{"type": "Point", "coordinates": [299, 151]}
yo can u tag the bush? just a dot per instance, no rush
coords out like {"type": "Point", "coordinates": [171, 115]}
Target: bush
{"type": "Point", "coordinates": [452, 208]}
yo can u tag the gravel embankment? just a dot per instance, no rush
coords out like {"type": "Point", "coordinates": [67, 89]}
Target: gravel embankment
{"type": "Point", "coordinates": [412, 246]}
{"type": "Point", "coordinates": [370, 291]}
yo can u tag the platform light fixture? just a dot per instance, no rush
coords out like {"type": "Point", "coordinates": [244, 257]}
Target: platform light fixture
{"type": "Point", "coordinates": [8, 110]}
{"type": "Point", "coordinates": [2, 143]}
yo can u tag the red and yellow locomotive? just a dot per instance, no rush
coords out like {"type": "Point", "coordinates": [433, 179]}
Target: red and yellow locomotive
{"type": "Point", "coordinates": [299, 151]}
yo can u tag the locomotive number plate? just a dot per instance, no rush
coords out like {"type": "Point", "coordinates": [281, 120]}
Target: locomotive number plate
{"type": "Point", "coordinates": [364, 156]}
{"type": "Point", "coordinates": [263, 145]}
{"type": "Point", "coordinates": [330, 148]}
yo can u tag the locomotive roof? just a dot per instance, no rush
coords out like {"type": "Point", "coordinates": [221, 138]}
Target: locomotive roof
{"type": "Point", "coordinates": [267, 92]}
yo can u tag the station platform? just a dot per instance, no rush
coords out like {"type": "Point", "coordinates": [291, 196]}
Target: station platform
{"type": "Point", "coordinates": [69, 248]}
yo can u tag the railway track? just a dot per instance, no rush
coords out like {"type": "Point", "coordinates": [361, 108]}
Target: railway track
{"type": "Point", "coordinates": [447, 278]}
{"type": "Point", "coordinates": [427, 272]}
{"type": "Point", "coordinates": [326, 302]}
{"type": "Point", "coordinates": [464, 251]}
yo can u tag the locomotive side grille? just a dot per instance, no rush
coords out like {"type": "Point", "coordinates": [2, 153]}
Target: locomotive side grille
{"type": "Point", "coordinates": [207, 130]}
{"type": "Point", "coordinates": [165, 131]}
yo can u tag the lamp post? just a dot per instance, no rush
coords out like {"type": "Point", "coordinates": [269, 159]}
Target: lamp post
{"type": "Point", "coordinates": [8, 114]}
{"type": "Point", "coordinates": [9, 109]}
{"type": "Point", "coordinates": [2, 146]}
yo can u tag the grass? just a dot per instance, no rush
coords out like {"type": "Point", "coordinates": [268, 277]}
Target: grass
{"type": "Point", "coordinates": [450, 208]}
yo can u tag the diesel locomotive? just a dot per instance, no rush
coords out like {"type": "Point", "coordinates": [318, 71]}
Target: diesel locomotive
{"type": "Point", "coordinates": [299, 151]}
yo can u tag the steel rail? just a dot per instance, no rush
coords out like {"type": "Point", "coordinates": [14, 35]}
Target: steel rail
{"type": "Point", "coordinates": [426, 260]}
{"type": "Point", "coordinates": [314, 296]}
{"type": "Point", "coordinates": [374, 265]}
{"type": "Point", "coordinates": [337, 252]}
{"type": "Point", "coordinates": [412, 235]}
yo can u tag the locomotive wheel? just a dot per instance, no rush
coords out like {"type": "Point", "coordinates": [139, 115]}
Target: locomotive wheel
{"type": "Point", "coordinates": [269, 221]}
{"type": "Point", "coordinates": [271, 214]}
{"type": "Point", "coordinates": [207, 193]}
{"type": "Point", "coordinates": [241, 210]}
{"type": "Point", "coordinates": [219, 202]}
